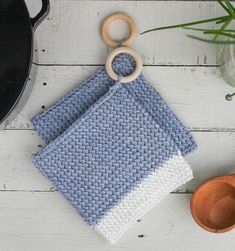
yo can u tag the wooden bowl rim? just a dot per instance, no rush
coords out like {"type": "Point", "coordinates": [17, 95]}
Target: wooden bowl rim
{"type": "Point", "coordinates": [192, 207]}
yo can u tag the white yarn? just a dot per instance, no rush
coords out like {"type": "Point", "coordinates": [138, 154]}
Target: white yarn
{"type": "Point", "coordinates": [147, 194]}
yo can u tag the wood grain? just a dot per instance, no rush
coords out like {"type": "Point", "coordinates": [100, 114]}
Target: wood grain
{"type": "Point", "coordinates": [196, 94]}
{"type": "Point", "coordinates": [62, 39]}
{"type": "Point", "coordinates": [45, 221]}
{"type": "Point", "coordinates": [213, 204]}
{"type": "Point", "coordinates": [33, 216]}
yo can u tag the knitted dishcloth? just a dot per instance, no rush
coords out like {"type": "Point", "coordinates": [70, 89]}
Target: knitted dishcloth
{"type": "Point", "coordinates": [51, 123]}
{"type": "Point", "coordinates": [116, 162]}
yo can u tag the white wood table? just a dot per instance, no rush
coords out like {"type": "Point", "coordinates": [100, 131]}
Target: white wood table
{"type": "Point", "coordinates": [33, 215]}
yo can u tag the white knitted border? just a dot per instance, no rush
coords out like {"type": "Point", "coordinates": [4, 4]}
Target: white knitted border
{"type": "Point", "coordinates": [143, 197]}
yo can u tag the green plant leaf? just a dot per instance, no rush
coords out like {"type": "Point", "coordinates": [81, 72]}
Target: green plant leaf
{"type": "Point", "coordinates": [220, 34]}
{"type": "Point", "coordinates": [230, 8]}
{"type": "Point", "coordinates": [224, 26]}
{"type": "Point", "coordinates": [185, 24]}
{"type": "Point", "coordinates": [212, 41]}
{"type": "Point", "coordinates": [226, 9]}
{"type": "Point", "coordinates": [200, 29]}
{"type": "Point", "coordinates": [223, 20]}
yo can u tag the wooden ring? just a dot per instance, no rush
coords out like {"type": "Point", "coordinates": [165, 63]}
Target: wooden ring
{"type": "Point", "coordinates": [127, 50]}
{"type": "Point", "coordinates": [107, 22]}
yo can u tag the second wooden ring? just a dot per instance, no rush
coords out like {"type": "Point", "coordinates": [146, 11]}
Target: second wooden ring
{"type": "Point", "coordinates": [105, 30]}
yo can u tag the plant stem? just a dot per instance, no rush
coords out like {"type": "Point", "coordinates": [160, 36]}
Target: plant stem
{"type": "Point", "coordinates": [225, 8]}
{"type": "Point", "coordinates": [220, 34]}
{"type": "Point", "coordinates": [224, 26]}
{"type": "Point", "coordinates": [222, 20]}
{"type": "Point", "coordinates": [212, 41]}
{"type": "Point", "coordinates": [230, 8]}
{"type": "Point", "coordinates": [185, 24]}
{"type": "Point", "coordinates": [198, 29]}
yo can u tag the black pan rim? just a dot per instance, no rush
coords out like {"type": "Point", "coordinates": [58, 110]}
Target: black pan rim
{"type": "Point", "coordinates": [31, 42]}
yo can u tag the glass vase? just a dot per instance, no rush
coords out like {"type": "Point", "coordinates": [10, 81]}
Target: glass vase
{"type": "Point", "coordinates": [227, 63]}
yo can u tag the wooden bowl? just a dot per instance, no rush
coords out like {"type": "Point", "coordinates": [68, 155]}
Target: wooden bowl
{"type": "Point", "coordinates": [213, 204]}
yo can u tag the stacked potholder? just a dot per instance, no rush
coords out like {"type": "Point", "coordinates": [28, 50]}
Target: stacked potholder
{"type": "Point", "coordinates": [114, 150]}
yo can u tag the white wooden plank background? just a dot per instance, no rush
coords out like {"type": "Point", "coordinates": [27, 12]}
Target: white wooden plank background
{"type": "Point", "coordinates": [62, 38]}
{"type": "Point", "coordinates": [33, 215]}
{"type": "Point", "coordinates": [188, 90]}
{"type": "Point", "coordinates": [44, 221]}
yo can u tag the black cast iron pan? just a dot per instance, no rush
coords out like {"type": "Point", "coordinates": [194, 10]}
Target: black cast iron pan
{"type": "Point", "coordinates": [16, 51]}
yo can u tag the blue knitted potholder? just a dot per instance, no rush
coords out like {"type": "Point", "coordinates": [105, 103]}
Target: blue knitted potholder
{"type": "Point", "coordinates": [118, 159]}
{"type": "Point", "coordinates": [51, 123]}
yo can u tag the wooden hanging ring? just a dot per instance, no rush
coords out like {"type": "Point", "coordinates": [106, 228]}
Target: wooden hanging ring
{"type": "Point", "coordinates": [106, 24]}
{"type": "Point", "coordinates": [126, 50]}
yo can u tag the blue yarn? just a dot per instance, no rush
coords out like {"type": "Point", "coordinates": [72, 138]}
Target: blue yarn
{"type": "Point", "coordinates": [51, 123]}
{"type": "Point", "coordinates": [105, 153]}
{"type": "Point", "coordinates": [107, 139]}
